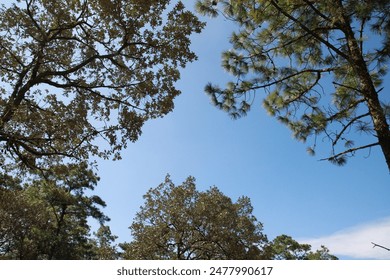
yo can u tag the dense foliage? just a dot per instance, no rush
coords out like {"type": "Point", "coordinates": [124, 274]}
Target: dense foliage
{"type": "Point", "coordinates": [182, 223]}
{"type": "Point", "coordinates": [283, 247]}
{"type": "Point", "coordinates": [47, 218]}
{"type": "Point", "coordinates": [72, 72]}
{"type": "Point", "coordinates": [179, 222]}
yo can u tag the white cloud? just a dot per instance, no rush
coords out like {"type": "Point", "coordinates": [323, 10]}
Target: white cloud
{"type": "Point", "coordinates": [355, 242]}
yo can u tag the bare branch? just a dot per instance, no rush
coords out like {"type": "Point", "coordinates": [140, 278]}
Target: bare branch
{"type": "Point", "coordinates": [380, 246]}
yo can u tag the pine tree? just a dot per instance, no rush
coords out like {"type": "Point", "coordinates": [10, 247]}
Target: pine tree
{"type": "Point", "coordinates": [320, 64]}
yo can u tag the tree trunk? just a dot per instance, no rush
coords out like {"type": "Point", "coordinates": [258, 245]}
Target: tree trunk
{"type": "Point", "coordinates": [368, 90]}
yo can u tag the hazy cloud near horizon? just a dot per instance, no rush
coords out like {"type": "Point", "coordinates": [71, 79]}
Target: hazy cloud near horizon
{"type": "Point", "coordinates": [355, 242]}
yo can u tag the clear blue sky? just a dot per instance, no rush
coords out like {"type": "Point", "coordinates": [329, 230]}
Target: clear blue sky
{"type": "Point", "coordinates": [345, 208]}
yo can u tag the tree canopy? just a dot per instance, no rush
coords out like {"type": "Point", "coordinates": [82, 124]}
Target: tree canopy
{"type": "Point", "coordinates": [283, 247]}
{"type": "Point", "coordinates": [76, 71]}
{"type": "Point", "coordinates": [47, 218]}
{"type": "Point", "coordinates": [320, 64]}
{"type": "Point", "coordinates": [179, 222]}
{"type": "Point", "coordinates": [182, 223]}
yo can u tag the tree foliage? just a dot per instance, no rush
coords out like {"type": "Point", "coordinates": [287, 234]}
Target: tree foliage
{"type": "Point", "coordinates": [182, 223]}
{"type": "Point", "coordinates": [321, 65]}
{"type": "Point", "coordinates": [179, 222]}
{"type": "Point", "coordinates": [47, 218]}
{"type": "Point", "coordinates": [283, 247]}
{"type": "Point", "coordinates": [103, 247]}
{"type": "Point", "coordinates": [76, 71]}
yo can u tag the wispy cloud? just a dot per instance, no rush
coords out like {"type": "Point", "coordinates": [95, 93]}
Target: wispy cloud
{"type": "Point", "coordinates": [355, 242]}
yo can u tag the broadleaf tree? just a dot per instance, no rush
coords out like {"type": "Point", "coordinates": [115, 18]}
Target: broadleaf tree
{"type": "Point", "coordinates": [181, 223]}
{"type": "Point", "coordinates": [73, 72]}
{"type": "Point", "coordinates": [321, 66]}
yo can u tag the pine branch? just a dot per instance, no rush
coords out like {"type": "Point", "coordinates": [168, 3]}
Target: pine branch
{"type": "Point", "coordinates": [349, 151]}
{"type": "Point", "coordinates": [304, 27]}
{"type": "Point", "coordinates": [339, 135]}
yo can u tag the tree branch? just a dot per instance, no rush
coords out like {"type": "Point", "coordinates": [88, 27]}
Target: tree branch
{"type": "Point", "coordinates": [318, 71]}
{"type": "Point", "coordinates": [347, 126]}
{"type": "Point", "coordinates": [304, 27]}
{"type": "Point", "coordinates": [380, 246]}
{"type": "Point", "coordinates": [349, 151]}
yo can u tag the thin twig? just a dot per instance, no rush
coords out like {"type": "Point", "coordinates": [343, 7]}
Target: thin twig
{"type": "Point", "coordinates": [380, 246]}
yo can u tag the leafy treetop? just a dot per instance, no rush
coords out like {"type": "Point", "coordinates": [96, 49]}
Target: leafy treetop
{"type": "Point", "coordinates": [179, 222]}
{"type": "Point", "coordinates": [182, 223]}
{"type": "Point", "coordinates": [74, 71]}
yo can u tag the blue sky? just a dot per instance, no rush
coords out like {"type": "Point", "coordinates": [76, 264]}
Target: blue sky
{"type": "Point", "coordinates": [344, 208]}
